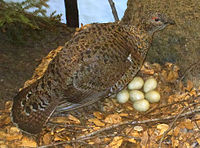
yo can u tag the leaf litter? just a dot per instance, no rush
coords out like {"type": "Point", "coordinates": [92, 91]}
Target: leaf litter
{"type": "Point", "coordinates": [173, 122]}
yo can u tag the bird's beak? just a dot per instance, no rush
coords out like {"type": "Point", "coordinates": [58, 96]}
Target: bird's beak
{"type": "Point", "coordinates": [170, 22]}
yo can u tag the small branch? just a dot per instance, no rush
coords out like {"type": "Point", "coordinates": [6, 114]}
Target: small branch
{"type": "Point", "coordinates": [189, 69]}
{"type": "Point", "coordinates": [114, 11]}
{"type": "Point", "coordinates": [171, 126]}
{"type": "Point", "coordinates": [91, 135]}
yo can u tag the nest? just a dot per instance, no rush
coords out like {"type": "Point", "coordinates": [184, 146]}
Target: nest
{"type": "Point", "coordinates": [174, 121]}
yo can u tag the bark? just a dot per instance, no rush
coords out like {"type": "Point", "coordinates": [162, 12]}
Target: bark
{"type": "Point", "coordinates": [71, 10]}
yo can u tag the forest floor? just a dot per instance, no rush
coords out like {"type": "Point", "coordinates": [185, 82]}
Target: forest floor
{"type": "Point", "coordinates": [172, 122]}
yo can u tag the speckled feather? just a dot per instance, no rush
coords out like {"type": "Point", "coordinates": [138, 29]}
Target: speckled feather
{"type": "Point", "coordinates": [97, 62]}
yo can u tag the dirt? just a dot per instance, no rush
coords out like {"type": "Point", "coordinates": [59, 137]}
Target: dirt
{"type": "Point", "coordinates": [19, 59]}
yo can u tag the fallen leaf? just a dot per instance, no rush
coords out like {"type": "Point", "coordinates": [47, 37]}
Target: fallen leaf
{"type": "Point", "coordinates": [198, 140]}
{"type": "Point", "coordinates": [97, 122]}
{"type": "Point", "coordinates": [162, 128]}
{"type": "Point", "coordinates": [189, 85]}
{"type": "Point", "coordinates": [172, 76]}
{"type": "Point", "coordinates": [113, 118]}
{"type": "Point", "coordinates": [175, 143]}
{"type": "Point", "coordinates": [116, 142]}
{"type": "Point", "coordinates": [27, 142]}
{"type": "Point", "coordinates": [123, 114]}
{"type": "Point", "coordinates": [72, 118]}
{"type": "Point", "coordinates": [57, 138]}
{"type": "Point", "coordinates": [138, 128]}
{"type": "Point", "coordinates": [47, 138]}
{"type": "Point", "coordinates": [14, 130]}
{"type": "Point", "coordinates": [8, 105]}
{"type": "Point", "coordinates": [132, 140]}
{"type": "Point", "coordinates": [3, 146]}
{"type": "Point", "coordinates": [98, 115]}
{"type": "Point", "coordinates": [176, 131]}
{"type": "Point", "coordinates": [144, 139]}
{"type": "Point", "coordinates": [68, 146]}
{"type": "Point", "coordinates": [187, 124]}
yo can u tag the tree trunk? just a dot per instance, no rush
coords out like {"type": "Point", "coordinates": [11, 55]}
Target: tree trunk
{"type": "Point", "coordinates": [71, 10]}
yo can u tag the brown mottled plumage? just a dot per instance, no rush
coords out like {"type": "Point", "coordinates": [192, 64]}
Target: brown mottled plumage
{"type": "Point", "coordinates": [97, 62]}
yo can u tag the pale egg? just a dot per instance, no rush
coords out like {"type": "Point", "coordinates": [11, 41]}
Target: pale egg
{"type": "Point", "coordinates": [150, 84]}
{"type": "Point", "coordinates": [141, 105]}
{"type": "Point", "coordinates": [136, 95]}
{"type": "Point", "coordinates": [123, 96]}
{"type": "Point", "coordinates": [136, 83]}
{"type": "Point", "coordinates": [153, 96]}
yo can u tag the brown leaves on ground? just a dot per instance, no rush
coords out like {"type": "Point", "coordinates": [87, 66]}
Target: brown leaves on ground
{"type": "Point", "coordinates": [173, 122]}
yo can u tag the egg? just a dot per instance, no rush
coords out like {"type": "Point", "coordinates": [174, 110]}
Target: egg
{"type": "Point", "coordinates": [123, 96]}
{"type": "Point", "coordinates": [141, 105]}
{"type": "Point", "coordinates": [136, 95]}
{"type": "Point", "coordinates": [136, 83]}
{"type": "Point", "coordinates": [152, 96]}
{"type": "Point", "coordinates": [150, 84]}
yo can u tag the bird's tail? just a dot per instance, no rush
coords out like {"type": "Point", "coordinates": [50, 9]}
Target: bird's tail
{"type": "Point", "coordinates": [31, 114]}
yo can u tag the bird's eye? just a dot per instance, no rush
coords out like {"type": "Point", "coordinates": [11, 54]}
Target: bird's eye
{"type": "Point", "coordinates": [156, 19]}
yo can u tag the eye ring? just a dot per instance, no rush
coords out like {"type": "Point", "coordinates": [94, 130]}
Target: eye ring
{"type": "Point", "coordinates": [156, 19]}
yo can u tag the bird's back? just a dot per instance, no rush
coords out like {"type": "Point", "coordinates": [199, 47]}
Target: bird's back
{"type": "Point", "coordinates": [96, 62]}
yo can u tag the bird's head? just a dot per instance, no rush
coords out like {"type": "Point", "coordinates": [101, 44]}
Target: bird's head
{"type": "Point", "coordinates": [155, 22]}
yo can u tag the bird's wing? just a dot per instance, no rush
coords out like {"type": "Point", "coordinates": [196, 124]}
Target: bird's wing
{"type": "Point", "coordinates": [104, 60]}
{"type": "Point", "coordinates": [93, 82]}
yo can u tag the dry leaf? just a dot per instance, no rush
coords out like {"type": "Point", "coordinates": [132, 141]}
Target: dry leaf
{"type": "Point", "coordinates": [189, 85]}
{"type": "Point", "coordinates": [116, 142]}
{"type": "Point", "coordinates": [123, 114]}
{"type": "Point", "coordinates": [138, 128]}
{"type": "Point", "coordinates": [98, 115]}
{"type": "Point", "coordinates": [3, 146]}
{"type": "Point", "coordinates": [162, 128]}
{"type": "Point", "coordinates": [97, 122]}
{"type": "Point", "coordinates": [77, 121]}
{"type": "Point", "coordinates": [132, 140]}
{"type": "Point", "coordinates": [188, 124]}
{"type": "Point", "coordinates": [172, 76]}
{"type": "Point", "coordinates": [156, 67]}
{"type": "Point", "coordinates": [176, 131]}
{"type": "Point", "coordinates": [144, 70]}
{"type": "Point", "coordinates": [8, 105]}
{"type": "Point", "coordinates": [57, 138]}
{"type": "Point", "coordinates": [113, 118]}
{"type": "Point", "coordinates": [13, 137]}
{"type": "Point", "coordinates": [144, 139]}
{"type": "Point", "coordinates": [175, 143]}
{"type": "Point", "coordinates": [47, 138]}
{"type": "Point", "coordinates": [27, 142]}
{"type": "Point", "coordinates": [198, 140]}
{"type": "Point", "coordinates": [14, 130]}
{"type": "Point", "coordinates": [68, 146]}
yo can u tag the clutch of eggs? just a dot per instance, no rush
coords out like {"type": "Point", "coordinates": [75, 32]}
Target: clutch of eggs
{"type": "Point", "coordinates": [139, 99]}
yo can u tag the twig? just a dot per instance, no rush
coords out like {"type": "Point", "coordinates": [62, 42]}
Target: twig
{"type": "Point", "coordinates": [91, 135]}
{"type": "Point", "coordinates": [114, 11]}
{"type": "Point", "coordinates": [171, 126]}
{"type": "Point", "coordinates": [189, 69]}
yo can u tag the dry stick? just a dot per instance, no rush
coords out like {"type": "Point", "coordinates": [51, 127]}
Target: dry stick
{"type": "Point", "coordinates": [189, 69]}
{"type": "Point", "coordinates": [114, 11]}
{"type": "Point", "coordinates": [137, 122]}
{"type": "Point", "coordinates": [171, 126]}
{"type": "Point", "coordinates": [88, 136]}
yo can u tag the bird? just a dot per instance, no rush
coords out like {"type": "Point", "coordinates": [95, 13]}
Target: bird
{"type": "Point", "coordinates": [97, 62]}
